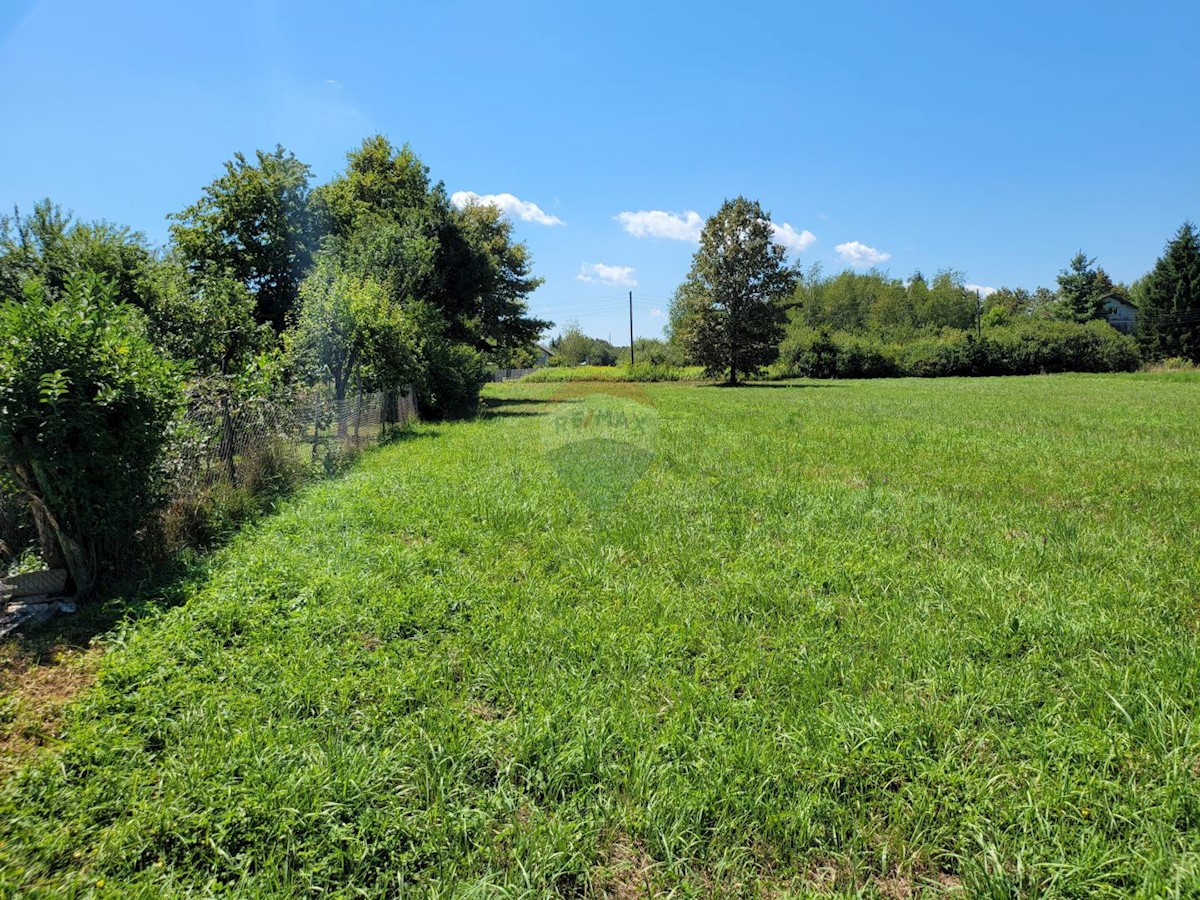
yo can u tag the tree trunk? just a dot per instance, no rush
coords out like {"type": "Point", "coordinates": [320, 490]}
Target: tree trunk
{"type": "Point", "coordinates": [59, 548]}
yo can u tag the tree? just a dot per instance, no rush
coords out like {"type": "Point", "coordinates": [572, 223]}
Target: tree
{"type": "Point", "coordinates": [48, 246]}
{"type": "Point", "coordinates": [496, 321]}
{"type": "Point", "coordinates": [732, 319]}
{"type": "Point", "coordinates": [88, 401]}
{"type": "Point", "coordinates": [253, 225]}
{"type": "Point", "coordinates": [205, 322]}
{"type": "Point", "coordinates": [348, 329]}
{"type": "Point", "coordinates": [385, 213]}
{"type": "Point", "coordinates": [574, 348]}
{"type": "Point", "coordinates": [1169, 299]}
{"type": "Point", "coordinates": [948, 303]}
{"type": "Point", "coordinates": [1082, 289]}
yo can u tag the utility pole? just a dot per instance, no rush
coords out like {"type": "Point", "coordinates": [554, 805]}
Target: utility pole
{"type": "Point", "coordinates": [631, 329]}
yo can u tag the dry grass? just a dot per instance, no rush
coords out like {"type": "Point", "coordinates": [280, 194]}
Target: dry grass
{"type": "Point", "coordinates": [628, 870]}
{"type": "Point", "coordinates": [36, 683]}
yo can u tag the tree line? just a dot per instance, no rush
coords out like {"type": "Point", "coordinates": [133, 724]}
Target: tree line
{"type": "Point", "coordinates": [743, 306]}
{"type": "Point", "coordinates": [371, 281]}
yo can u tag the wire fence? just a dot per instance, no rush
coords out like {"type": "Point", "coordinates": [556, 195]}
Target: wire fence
{"type": "Point", "coordinates": [260, 446]}
{"type": "Point", "coordinates": [222, 437]}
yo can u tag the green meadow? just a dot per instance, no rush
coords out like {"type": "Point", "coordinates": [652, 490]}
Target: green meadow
{"type": "Point", "coordinates": [879, 638]}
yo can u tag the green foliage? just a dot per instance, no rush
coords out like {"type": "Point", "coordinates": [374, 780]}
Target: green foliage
{"type": "Point", "coordinates": [878, 637]}
{"type": "Point", "coordinates": [729, 318]}
{"type": "Point", "coordinates": [349, 328]}
{"type": "Point", "coordinates": [206, 323]}
{"type": "Point", "coordinates": [87, 403]}
{"type": "Point", "coordinates": [1024, 348]}
{"type": "Point", "coordinates": [386, 218]}
{"type": "Point", "coordinates": [872, 302]}
{"type": "Point", "coordinates": [47, 245]}
{"type": "Point", "coordinates": [657, 352]}
{"type": "Point", "coordinates": [996, 317]}
{"type": "Point", "coordinates": [574, 348]}
{"type": "Point", "coordinates": [821, 354]}
{"type": "Point", "coordinates": [1018, 303]}
{"type": "Point", "coordinates": [1082, 289]}
{"type": "Point", "coordinates": [496, 321]}
{"type": "Point", "coordinates": [451, 378]}
{"type": "Point", "coordinates": [252, 225]}
{"type": "Point", "coordinates": [1169, 300]}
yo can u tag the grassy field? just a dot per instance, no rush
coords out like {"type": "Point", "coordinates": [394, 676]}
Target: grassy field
{"type": "Point", "coordinates": [883, 638]}
{"type": "Point", "coordinates": [638, 373]}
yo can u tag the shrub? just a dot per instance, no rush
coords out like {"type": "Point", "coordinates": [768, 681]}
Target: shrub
{"type": "Point", "coordinates": [1176, 364]}
{"type": "Point", "coordinates": [1029, 348]}
{"type": "Point", "coordinates": [452, 375]}
{"type": "Point", "coordinates": [657, 352]}
{"type": "Point", "coordinates": [820, 354]}
{"type": "Point", "coordinates": [88, 402]}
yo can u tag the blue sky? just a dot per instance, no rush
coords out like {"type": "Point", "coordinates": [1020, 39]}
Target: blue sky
{"type": "Point", "coordinates": [995, 138]}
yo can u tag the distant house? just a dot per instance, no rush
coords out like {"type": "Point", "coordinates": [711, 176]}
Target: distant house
{"type": "Point", "coordinates": [1120, 314]}
{"type": "Point", "coordinates": [542, 355]}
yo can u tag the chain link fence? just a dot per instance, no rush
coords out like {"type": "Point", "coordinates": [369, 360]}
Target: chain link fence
{"type": "Point", "coordinates": [220, 434]}
{"type": "Point", "coordinates": [224, 445]}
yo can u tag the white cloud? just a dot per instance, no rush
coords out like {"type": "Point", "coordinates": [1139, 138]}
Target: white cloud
{"type": "Point", "coordinates": [599, 273]}
{"type": "Point", "coordinates": [793, 241]}
{"type": "Point", "coordinates": [980, 289]}
{"type": "Point", "coordinates": [658, 223]}
{"type": "Point", "coordinates": [514, 206]}
{"type": "Point", "coordinates": [657, 313]}
{"type": "Point", "coordinates": [860, 255]}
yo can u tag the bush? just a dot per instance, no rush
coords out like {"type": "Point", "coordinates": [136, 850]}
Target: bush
{"type": "Point", "coordinates": [658, 352]}
{"type": "Point", "coordinates": [1176, 364]}
{"type": "Point", "coordinates": [88, 402]}
{"type": "Point", "coordinates": [1029, 348]}
{"type": "Point", "coordinates": [452, 375]}
{"type": "Point", "coordinates": [819, 354]}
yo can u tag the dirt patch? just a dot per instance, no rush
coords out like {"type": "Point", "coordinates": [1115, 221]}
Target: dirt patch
{"type": "Point", "coordinates": [627, 873]}
{"type": "Point", "coordinates": [481, 710]}
{"type": "Point", "coordinates": [896, 887]}
{"type": "Point", "coordinates": [821, 878]}
{"type": "Point", "coordinates": [369, 641]}
{"type": "Point", "coordinates": [35, 684]}
{"type": "Point", "coordinates": [951, 884]}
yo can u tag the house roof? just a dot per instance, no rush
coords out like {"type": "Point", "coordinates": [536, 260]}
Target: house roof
{"type": "Point", "coordinates": [1113, 298]}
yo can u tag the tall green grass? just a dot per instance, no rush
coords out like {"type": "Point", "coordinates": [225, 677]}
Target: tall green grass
{"type": "Point", "coordinates": [636, 373]}
{"type": "Point", "coordinates": [870, 637]}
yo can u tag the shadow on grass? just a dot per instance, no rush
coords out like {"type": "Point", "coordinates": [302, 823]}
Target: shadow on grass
{"type": "Point", "coordinates": [770, 384]}
{"type": "Point", "coordinates": [153, 584]}
{"type": "Point", "coordinates": [403, 435]}
{"type": "Point", "coordinates": [158, 589]}
{"type": "Point", "coordinates": [515, 401]}
{"type": "Point", "coordinates": [497, 408]}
